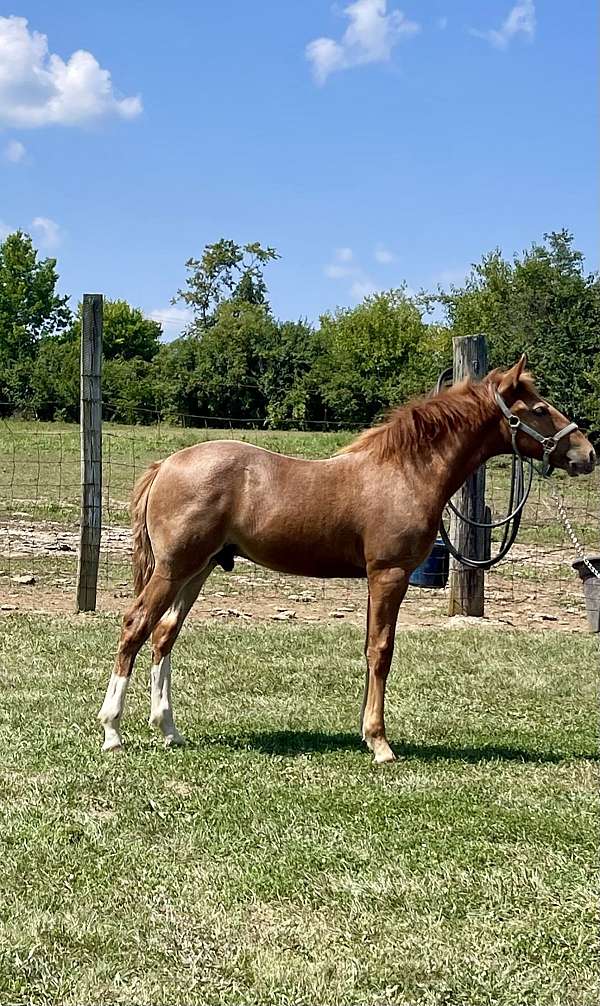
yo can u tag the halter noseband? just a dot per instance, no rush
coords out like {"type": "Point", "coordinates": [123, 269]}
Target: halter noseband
{"type": "Point", "coordinates": [548, 443]}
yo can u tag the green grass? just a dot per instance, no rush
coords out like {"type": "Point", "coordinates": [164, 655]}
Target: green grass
{"type": "Point", "coordinates": [270, 861]}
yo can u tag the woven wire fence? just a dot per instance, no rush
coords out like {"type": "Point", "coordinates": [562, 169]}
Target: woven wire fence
{"type": "Point", "coordinates": [39, 530]}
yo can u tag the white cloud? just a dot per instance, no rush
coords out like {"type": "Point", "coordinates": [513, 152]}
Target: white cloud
{"type": "Point", "coordinates": [48, 231]}
{"type": "Point", "coordinates": [344, 254]}
{"type": "Point", "coordinates": [369, 38]}
{"type": "Point", "coordinates": [452, 277]}
{"type": "Point", "coordinates": [519, 21]}
{"type": "Point", "coordinates": [14, 151]}
{"type": "Point", "coordinates": [172, 318]}
{"type": "Point", "coordinates": [335, 271]}
{"type": "Point", "coordinates": [383, 255]}
{"type": "Point", "coordinates": [345, 266]}
{"type": "Point", "coordinates": [45, 231]}
{"type": "Point", "coordinates": [362, 288]}
{"type": "Point", "coordinates": [38, 88]}
{"type": "Point", "coordinates": [342, 264]}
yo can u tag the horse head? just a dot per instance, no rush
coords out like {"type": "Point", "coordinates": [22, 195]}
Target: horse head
{"type": "Point", "coordinates": [534, 427]}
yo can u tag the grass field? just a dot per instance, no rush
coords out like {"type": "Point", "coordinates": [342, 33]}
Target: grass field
{"type": "Point", "coordinates": [270, 862]}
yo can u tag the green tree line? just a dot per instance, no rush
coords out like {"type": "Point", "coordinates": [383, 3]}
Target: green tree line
{"type": "Point", "coordinates": [237, 362]}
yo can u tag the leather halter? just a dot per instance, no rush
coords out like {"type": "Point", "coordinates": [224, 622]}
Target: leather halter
{"type": "Point", "coordinates": [548, 443]}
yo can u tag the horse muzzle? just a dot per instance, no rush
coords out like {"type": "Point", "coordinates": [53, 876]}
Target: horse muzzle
{"type": "Point", "coordinates": [580, 462]}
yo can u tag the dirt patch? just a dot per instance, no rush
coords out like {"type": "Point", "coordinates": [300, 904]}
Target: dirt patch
{"type": "Point", "coordinates": [20, 539]}
{"type": "Point", "coordinates": [535, 590]}
{"type": "Point", "coordinates": [421, 608]}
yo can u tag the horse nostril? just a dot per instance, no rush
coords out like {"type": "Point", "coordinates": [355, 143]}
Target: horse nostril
{"type": "Point", "coordinates": [593, 457]}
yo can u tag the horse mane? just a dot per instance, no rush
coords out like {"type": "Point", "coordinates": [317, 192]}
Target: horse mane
{"type": "Point", "coordinates": [425, 421]}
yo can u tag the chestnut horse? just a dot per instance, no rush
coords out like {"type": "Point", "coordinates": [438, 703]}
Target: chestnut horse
{"type": "Point", "coordinates": [372, 511]}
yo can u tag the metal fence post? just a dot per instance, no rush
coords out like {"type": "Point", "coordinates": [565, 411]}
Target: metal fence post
{"type": "Point", "coordinates": [467, 585]}
{"type": "Point", "coordinates": [91, 452]}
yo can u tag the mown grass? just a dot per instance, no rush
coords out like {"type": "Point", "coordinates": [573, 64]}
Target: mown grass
{"type": "Point", "coordinates": [270, 861]}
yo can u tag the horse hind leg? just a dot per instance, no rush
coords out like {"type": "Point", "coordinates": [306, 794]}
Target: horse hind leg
{"type": "Point", "coordinates": [138, 623]}
{"type": "Point", "coordinates": [163, 640]}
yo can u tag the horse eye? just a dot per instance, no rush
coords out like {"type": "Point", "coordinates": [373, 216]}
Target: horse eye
{"type": "Point", "coordinates": [541, 410]}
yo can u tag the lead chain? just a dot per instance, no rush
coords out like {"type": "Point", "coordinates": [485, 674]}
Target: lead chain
{"type": "Point", "coordinates": [578, 546]}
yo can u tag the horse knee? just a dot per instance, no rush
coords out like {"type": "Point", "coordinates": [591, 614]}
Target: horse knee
{"type": "Point", "coordinates": [379, 653]}
{"type": "Point", "coordinates": [133, 635]}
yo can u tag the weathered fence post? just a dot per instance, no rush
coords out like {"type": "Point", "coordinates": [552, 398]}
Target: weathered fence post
{"type": "Point", "coordinates": [91, 452]}
{"type": "Point", "coordinates": [467, 585]}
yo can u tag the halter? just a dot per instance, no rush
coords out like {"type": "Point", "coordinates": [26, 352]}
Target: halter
{"type": "Point", "coordinates": [519, 488]}
{"type": "Point", "coordinates": [549, 444]}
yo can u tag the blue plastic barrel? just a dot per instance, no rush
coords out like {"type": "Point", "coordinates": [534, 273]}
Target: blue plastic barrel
{"type": "Point", "coordinates": [434, 571]}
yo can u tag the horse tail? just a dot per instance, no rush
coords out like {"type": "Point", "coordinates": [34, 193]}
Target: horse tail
{"type": "Point", "coordinates": [143, 556]}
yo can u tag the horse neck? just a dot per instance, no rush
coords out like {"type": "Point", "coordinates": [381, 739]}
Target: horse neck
{"type": "Point", "coordinates": [455, 456]}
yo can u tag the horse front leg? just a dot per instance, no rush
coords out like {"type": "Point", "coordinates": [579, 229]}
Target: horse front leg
{"type": "Point", "coordinates": [387, 588]}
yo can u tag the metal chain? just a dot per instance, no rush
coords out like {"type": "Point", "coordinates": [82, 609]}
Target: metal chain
{"type": "Point", "coordinates": [578, 546]}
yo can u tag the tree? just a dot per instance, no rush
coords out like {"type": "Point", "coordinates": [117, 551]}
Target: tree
{"type": "Point", "coordinates": [542, 303]}
{"type": "Point", "coordinates": [30, 309]}
{"type": "Point", "coordinates": [55, 380]}
{"type": "Point", "coordinates": [130, 342]}
{"type": "Point", "coordinates": [231, 361]}
{"type": "Point", "coordinates": [226, 271]}
{"type": "Point", "coordinates": [176, 388]}
{"type": "Point", "coordinates": [592, 401]}
{"type": "Point", "coordinates": [290, 378]}
{"type": "Point", "coordinates": [128, 390]}
{"type": "Point", "coordinates": [378, 354]}
{"type": "Point", "coordinates": [126, 335]}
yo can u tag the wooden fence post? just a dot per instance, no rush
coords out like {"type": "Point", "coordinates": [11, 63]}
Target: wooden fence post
{"type": "Point", "coordinates": [91, 452]}
{"type": "Point", "coordinates": [467, 585]}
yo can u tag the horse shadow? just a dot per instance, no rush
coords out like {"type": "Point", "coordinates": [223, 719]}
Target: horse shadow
{"type": "Point", "coordinates": [295, 743]}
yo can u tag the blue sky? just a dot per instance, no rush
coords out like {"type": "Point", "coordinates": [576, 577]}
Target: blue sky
{"type": "Point", "coordinates": [370, 142]}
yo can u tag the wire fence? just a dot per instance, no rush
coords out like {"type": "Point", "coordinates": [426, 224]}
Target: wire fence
{"type": "Point", "coordinates": [39, 530]}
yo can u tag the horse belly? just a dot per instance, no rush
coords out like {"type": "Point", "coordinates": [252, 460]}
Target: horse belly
{"type": "Point", "coordinates": [305, 564]}
{"type": "Point", "coordinates": [303, 557]}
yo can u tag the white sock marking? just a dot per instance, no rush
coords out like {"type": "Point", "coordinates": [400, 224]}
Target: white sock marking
{"type": "Point", "coordinates": [161, 709]}
{"type": "Point", "coordinates": [112, 709]}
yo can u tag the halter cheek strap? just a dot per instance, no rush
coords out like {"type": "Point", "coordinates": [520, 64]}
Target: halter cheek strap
{"type": "Point", "coordinates": [549, 444]}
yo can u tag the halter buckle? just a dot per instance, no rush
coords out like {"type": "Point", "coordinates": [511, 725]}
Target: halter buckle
{"type": "Point", "coordinates": [548, 444]}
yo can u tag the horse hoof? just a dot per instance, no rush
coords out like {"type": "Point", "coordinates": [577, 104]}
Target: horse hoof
{"type": "Point", "coordinates": [380, 749]}
{"type": "Point", "coordinates": [175, 741]}
{"type": "Point", "coordinates": [382, 752]}
{"type": "Point", "coordinates": [114, 747]}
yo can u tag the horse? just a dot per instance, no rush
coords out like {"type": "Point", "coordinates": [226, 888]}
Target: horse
{"type": "Point", "coordinates": [371, 511]}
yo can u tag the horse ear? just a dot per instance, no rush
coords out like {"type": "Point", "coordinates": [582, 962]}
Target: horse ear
{"type": "Point", "coordinates": [510, 380]}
